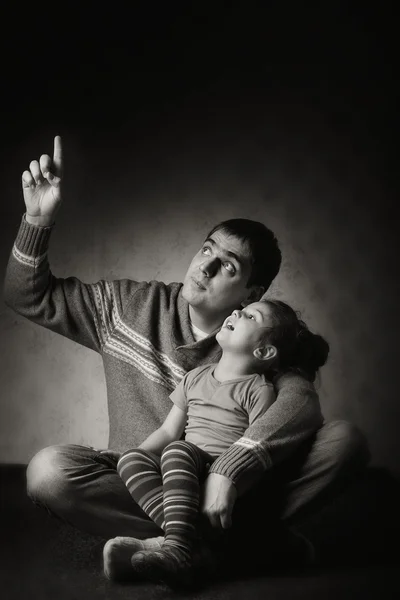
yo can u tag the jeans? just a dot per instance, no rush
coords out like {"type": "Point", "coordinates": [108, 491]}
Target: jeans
{"type": "Point", "coordinates": [82, 487]}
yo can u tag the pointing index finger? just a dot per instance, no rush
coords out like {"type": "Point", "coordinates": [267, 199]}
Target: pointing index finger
{"type": "Point", "coordinates": [57, 156]}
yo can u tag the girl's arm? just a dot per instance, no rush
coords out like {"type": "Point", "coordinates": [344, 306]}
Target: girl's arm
{"type": "Point", "coordinates": [170, 430]}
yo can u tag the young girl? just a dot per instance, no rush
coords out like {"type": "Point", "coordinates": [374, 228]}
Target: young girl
{"type": "Point", "coordinates": [212, 406]}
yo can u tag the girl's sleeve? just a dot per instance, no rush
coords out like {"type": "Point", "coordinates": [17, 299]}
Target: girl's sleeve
{"type": "Point", "coordinates": [178, 396]}
{"type": "Point", "coordinates": [262, 400]}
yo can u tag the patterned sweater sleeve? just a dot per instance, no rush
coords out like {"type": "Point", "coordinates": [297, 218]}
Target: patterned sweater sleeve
{"type": "Point", "coordinates": [291, 419]}
{"type": "Point", "coordinates": [85, 313]}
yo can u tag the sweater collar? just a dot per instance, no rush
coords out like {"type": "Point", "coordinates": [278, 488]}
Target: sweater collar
{"type": "Point", "coordinates": [184, 339]}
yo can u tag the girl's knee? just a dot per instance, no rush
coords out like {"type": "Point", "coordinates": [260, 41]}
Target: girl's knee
{"type": "Point", "coordinates": [178, 445]}
{"type": "Point", "coordinates": [122, 459]}
{"type": "Point", "coordinates": [134, 458]}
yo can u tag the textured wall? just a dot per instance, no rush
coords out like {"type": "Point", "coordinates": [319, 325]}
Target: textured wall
{"type": "Point", "coordinates": [139, 199]}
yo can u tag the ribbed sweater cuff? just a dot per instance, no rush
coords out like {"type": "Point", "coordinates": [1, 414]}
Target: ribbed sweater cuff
{"type": "Point", "coordinates": [32, 240]}
{"type": "Point", "coordinates": [240, 464]}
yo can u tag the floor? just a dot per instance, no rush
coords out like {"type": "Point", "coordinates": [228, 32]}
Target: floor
{"type": "Point", "coordinates": [42, 558]}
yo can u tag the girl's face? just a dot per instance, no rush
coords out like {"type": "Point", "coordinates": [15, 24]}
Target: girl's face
{"type": "Point", "coordinates": [243, 330]}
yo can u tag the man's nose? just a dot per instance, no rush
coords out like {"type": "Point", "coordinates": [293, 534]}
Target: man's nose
{"type": "Point", "coordinates": [209, 268]}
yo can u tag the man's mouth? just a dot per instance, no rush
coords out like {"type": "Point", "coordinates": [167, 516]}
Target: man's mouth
{"type": "Point", "coordinates": [199, 285]}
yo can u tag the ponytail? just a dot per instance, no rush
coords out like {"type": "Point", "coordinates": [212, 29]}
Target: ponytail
{"type": "Point", "coordinates": [310, 352]}
{"type": "Point", "coordinates": [299, 349]}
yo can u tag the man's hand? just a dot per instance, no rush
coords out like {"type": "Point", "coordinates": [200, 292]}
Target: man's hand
{"type": "Point", "coordinates": [111, 454]}
{"type": "Point", "coordinates": [219, 496]}
{"type": "Point", "coordinates": [41, 187]}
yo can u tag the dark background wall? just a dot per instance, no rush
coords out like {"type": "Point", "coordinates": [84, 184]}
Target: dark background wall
{"type": "Point", "coordinates": [175, 119]}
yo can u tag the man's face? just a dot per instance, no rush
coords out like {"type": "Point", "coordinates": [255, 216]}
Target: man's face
{"type": "Point", "coordinates": [216, 280]}
{"type": "Point", "coordinates": [243, 329]}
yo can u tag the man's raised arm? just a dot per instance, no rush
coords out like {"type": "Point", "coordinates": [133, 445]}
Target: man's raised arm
{"type": "Point", "coordinates": [79, 311]}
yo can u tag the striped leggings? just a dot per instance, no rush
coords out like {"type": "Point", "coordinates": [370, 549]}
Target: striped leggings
{"type": "Point", "coordinates": [168, 488]}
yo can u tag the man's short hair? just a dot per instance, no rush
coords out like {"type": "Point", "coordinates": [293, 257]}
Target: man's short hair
{"type": "Point", "coordinates": [263, 246]}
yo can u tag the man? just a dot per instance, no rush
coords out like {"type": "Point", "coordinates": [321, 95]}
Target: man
{"type": "Point", "coordinates": [149, 335]}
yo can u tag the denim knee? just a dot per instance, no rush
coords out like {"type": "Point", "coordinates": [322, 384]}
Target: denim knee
{"type": "Point", "coordinates": [350, 442]}
{"type": "Point", "coordinates": [44, 476]}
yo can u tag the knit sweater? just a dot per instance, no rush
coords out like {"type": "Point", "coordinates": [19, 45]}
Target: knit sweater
{"type": "Point", "coordinates": [142, 331]}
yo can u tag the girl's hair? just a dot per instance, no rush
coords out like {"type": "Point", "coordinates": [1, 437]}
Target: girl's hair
{"type": "Point", "coordinates": [298, 348]}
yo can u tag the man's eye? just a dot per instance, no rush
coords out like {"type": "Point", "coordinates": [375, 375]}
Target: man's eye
{"type": "Point", "coordinates": [251, 316]}
{"type": "Point", "coordinates": [229, 267]}
{"type": "Point", "coordinates": [206, 250]}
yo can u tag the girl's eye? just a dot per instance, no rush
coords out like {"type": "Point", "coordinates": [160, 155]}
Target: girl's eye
{"type": "Point", "coordinates": [229, 267]}
{"type": "Point", "coordinates": [251, 316]}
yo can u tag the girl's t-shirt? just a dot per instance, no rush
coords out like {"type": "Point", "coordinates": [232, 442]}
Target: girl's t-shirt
{"type": "Point", "coordinates": [218, 413]}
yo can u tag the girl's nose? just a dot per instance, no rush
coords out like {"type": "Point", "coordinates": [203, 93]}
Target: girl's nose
{"type": "Point", "coordinates": [237, 313]}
